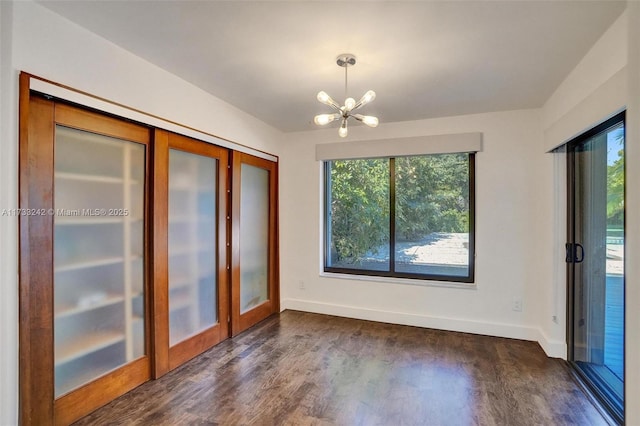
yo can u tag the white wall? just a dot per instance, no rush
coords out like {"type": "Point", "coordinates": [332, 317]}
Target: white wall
{"type": "Point", "coordinates": [632, 343]}
{"type": "Point", "coordinates": [606, 58]}
{"type": "Point", "coordinates": [35, 40]}
{"type": "Point", "coordinates": [506, 234]}
{"type": "Point", "coordinates": [52, 47]}
{"type": "Point", "coordinates": [8, 230]}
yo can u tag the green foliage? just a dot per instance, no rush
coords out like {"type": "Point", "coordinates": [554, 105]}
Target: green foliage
{"type": "Point", "coordinates": [359, 207]}
{"type": "Point", "coordinates": [432, 195]}
{"type": "Point", "coordinates": [615, 191]}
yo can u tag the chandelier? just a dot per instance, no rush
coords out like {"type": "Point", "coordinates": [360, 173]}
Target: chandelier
{"type": "Point", "coordinates": [344, 112]}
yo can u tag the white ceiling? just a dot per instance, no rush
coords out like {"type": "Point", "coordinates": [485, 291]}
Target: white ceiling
{"type": "Point", "coordinates": [423, 59]}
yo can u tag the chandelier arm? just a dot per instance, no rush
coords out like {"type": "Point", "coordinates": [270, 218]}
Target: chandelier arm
{"type": "Point", "coordinates": [335, 106]}
{"type": "Point", "coordinates": [368, 97]}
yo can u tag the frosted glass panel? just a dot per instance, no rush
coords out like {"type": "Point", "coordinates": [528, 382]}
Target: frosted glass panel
{"type": "Point", "coordinates": [192, 244]}
{"type": "Point", "coordinates": [254, 237]}
{"type": "Point", "coordinates": [98, 256]}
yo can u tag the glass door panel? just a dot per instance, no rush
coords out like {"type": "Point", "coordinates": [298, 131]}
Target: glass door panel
{"type": "Point", "coordinates": [192, 244]}
{"type": "Point", "coordinates": [254, 237]}
{"type": "Point", "coordinates": [595, 253]}
{"type": "Point", "coordinates": [254, 287]}
{"type": "Point", "coordinates": [98, 256]}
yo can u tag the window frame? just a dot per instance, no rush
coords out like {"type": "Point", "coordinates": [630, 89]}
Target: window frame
{"type": "Point", "coordinates": [468, 279]}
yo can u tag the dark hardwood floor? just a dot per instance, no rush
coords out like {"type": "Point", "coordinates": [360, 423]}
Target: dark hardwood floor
{"type": "Point", "coordinates": [308, 369]}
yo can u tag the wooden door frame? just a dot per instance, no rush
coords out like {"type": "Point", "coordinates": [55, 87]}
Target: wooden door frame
{"type": "Point", "coordinates": [38, 405]}
{"type": "Point", "coordinates": [240, 322]}
{"type": "Point", "coordinates": [169, 357]}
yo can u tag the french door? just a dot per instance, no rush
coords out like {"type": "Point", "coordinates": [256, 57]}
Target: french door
{"type": "Point", "coordinates": [595, 261]}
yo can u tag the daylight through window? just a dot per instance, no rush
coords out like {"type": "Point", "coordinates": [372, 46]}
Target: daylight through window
{"type": "Point", "coordinates": [408, 217]}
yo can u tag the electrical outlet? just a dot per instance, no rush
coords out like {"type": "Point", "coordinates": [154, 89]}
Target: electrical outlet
{"type": "Point", "coordinates": [517, 304]}
{"type": "Point", "coordinates": [301, 285]}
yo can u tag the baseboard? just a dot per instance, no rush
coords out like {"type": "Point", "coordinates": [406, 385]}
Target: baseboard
{"type": "Point", "coordinates": [553, 349]}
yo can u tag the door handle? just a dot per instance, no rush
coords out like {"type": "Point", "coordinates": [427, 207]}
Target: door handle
{"type": "Point", "coordinates": [577, 259]}
{"type": "Point", "coordinates": [571, 253]}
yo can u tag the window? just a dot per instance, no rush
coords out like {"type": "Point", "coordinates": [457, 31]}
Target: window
{"type": "Point", "coordinates": [406, 217]}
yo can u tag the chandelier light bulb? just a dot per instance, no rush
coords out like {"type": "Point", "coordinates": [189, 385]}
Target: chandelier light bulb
{"type": "Point", "coordinates": [326, 99]}
{"type": "Point", "coordinates": [369, 120]}
{"type": "Point", "coordinates": [349, 103]}
{"type": "Point", "coordinates": [323, 119]}
{"type": "Point", "coordinates": [368, 97]}
{"type": "Point", "coordinates": [323, 97]}
{"type": "Point", "coordinates": [342, 131]}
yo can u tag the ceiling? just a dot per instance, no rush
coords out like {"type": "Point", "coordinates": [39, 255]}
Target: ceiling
{"type": "Point", "coordinates": [423, 59]}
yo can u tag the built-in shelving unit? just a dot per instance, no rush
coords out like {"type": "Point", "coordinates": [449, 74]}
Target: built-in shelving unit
{"type": "Point", "coordinates": [136, 208]}
{"type": "Point", "coordinates": [192, 244]}
{"type": "Point", "coordinates": [98, 256]}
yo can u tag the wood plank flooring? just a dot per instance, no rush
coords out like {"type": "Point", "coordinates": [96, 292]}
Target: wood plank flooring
{"type": "Point", "coordinates": [299, 368]}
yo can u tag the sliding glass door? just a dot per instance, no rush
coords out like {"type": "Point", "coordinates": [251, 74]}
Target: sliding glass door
{"type": "Point", "coordinates": [254, 276]}
{"type": "Point", "coordinates": [595, 259]}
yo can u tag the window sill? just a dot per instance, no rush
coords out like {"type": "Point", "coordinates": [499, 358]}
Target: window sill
{"type": "Point", "coordinates": [405, 281]}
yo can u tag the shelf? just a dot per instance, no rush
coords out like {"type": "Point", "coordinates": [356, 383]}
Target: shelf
{"type": "Point", "coordinates": [88, 178]}
{"type": "Point", "coordinates": [89, 264]}
{"type": "Point", "coordinates": [207, 273]}
{"type": "Point", "coordinates": [182, 250]}
{"type": "Point", "coordinates": [190, 219]}
{"type": "Point", "coordinates": [182, 218]}
{"type": "Point", "coordinates": [182, 188]}
{"type": "Point", "coordinates": [73, 310]}
{"type": "Point", "coordinates": [178, 303]}
{"type": "Point", "coordinates": [86, 346]}
{"type": "Point", "coordinates": [179, 283]}
{"type": "Point", "coordinates": [196, 248]}
{"type": "Point", "coordinates": [92, 220]}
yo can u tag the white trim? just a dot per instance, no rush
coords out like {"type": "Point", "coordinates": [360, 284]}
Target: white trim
{"type": "Point", "coordinates": [71, 95]}
{"type": "Point", "coordinates": [396, 280]}
{"type": "Point", "coordinates": [417, 320]}
{"type": "Point", "coordinates": [419, 145]}
{"type": "Point", "coordinates": [553, 348]}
